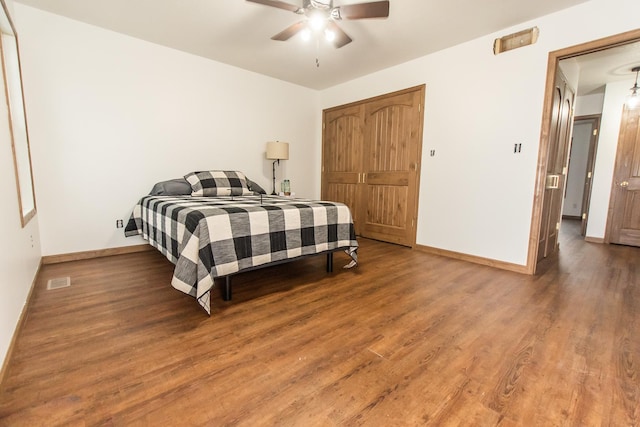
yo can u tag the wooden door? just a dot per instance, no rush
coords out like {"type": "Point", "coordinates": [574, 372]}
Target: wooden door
{"type": "Point", "coordinates": [624, 208]}
{"type": "Point", "coordinates": [370, 161]}
{"type": "Point", "coordinates": [342, 158]}
{"type": "Point", "coordinates": [559, 145]}
{"type": "Point", "coordinates": [393, 137]}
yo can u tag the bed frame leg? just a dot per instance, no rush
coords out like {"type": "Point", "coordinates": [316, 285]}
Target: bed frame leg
{"type": "Point", "coordinates": [330, 262]}
{"type": "Point", "coordinates": [226, 291]}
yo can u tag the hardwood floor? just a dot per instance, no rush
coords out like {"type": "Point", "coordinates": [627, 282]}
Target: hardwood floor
{"type": "Point", "coordinates": [407, 338]}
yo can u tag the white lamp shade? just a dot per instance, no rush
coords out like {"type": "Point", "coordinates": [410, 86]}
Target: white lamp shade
{"type": "Point", "coordinates": [277, 150]}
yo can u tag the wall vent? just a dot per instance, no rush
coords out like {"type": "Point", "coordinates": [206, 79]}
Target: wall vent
{"type": "Point", "coordinates": [516, 40]}
{"type": "Point", "coordinates": [60, 282]}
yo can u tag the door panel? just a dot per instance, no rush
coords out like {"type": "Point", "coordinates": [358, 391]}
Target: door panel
{"type": "Point", "coordinates": [557, 163]}
{"type": "Point", "coordinates": [371, 152]}
{"type": "Point", "coordinates": [386, 215]}
{"type": "Point", "coordinates": [624, 219]}
{"type": "Point", "coordinates": [548, 192]}
{"type": "Point", "coordinates": [392, 134]}
{"type": "Point", "coordinates": [342, 158]}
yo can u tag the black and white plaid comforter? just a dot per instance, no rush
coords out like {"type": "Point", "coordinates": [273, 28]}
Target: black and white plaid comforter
{"type": "Point", "coordinates": [208, 237]}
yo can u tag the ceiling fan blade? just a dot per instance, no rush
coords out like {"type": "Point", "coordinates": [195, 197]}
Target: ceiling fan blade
{"type": "Point", "coordinates": [278, 4]}
{"type": "Point", "coordinates": [375, 9]}
{"type": "Point", "coordinates": [341, 37]}
{"type": "Point", "coordinates": [290, 31]}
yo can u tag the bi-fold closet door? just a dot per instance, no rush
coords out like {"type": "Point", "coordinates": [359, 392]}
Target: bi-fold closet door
{"type": "Point", "coordinates": [371, 162]}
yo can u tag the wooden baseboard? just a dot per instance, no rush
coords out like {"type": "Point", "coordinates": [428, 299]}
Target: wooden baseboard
{"type": "Point", "coordinates": [475, 259]}
{"type": "Point", "coordinates": [76, 256]}
{"type": "Point", "coordinates": [21, 319]}
{"type": "Point", "coordinates": [594, 239]}
{"type": "Point", "coordinates": [55, 259]}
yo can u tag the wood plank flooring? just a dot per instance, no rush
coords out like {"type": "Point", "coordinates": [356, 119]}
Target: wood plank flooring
{"type": "Point", "coordinates": [405, 339]}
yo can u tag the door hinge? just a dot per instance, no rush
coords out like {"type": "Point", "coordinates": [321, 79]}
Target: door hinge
{"type": "Point", "coordinates": [595, 132]}
{"type": "Point", "coordinates": [557, 226]}
{"type": "Point", "coordinates": [584, 216]}
{"type": "Point", "coordinates": [323, 125]}
{"type": "Point", "coordinates": [564, 170]}
{"type": "Point", "coordinates": [589, 175]}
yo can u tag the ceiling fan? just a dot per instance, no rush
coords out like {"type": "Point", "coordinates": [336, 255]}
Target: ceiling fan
{"type": "Point", "coordinates": [321, 15]}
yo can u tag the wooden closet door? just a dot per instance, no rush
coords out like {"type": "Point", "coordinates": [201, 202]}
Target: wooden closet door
{"type": "Point", "coordinates": [393, 140]}
{"type": "Point", "coordinates": [342, 158]}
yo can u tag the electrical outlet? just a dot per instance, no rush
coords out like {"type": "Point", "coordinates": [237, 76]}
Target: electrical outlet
{"type": "Point", "coordinates": [119, 223]}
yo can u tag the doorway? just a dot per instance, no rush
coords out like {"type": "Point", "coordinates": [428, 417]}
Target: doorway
{"type": "Point", "coordinates": [581, 165]}
{"type": "Point", "coordinates": [545, 152]}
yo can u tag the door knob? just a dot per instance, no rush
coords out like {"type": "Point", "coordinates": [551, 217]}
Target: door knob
{"type": "Point", "coordinates": [624, 184]}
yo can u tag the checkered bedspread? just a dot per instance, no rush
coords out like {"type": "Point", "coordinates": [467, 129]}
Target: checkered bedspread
{"type": "Point", "coordinates": [208, 237]}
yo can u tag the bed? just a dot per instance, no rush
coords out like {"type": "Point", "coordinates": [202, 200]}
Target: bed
{"type": "Point", "coordinates": [218, 233]}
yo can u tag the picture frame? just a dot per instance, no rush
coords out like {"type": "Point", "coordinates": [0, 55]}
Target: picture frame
{"type": "Point", "coordinates": [14, 94]}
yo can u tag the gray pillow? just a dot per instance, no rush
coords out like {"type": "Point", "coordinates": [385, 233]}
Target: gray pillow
{"type": "Point", "coordinates": [255, 187]}
{"type": "Point", "coordinates": [173, 187]}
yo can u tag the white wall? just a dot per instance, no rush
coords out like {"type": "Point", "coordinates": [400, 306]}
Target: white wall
{"type": "Point", "coordinates": [571, 71]}
{"type": "Point", "coordinates": [588, 105]}
{"type": "Point", "coordinates": [476, 196]}
{"type": "Point", "coordinates": [98, 99]}
{"type": "Point", "coordinates": [19, 247]}
{"type": "Point", "coordinates": [110, 115]}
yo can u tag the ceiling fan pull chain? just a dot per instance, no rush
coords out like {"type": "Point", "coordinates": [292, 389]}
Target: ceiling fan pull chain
{"type": "Point", "coordinates": [317, 53]}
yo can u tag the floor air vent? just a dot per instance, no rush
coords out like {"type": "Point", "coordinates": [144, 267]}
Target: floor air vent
{"type": "Point", "coordinates": [60, 282]}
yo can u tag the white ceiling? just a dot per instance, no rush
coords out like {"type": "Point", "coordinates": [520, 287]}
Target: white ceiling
{"type": "Point", "coordinates": [607, 66]}
{"type": "Point", "coordinates": [238, 32]}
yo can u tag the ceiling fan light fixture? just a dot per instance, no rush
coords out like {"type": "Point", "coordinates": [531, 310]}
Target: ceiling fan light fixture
{"type": "Point", "coordinates": [317, 21]}
{"type": "Point", "coordinates": [633, 101]}
{"type": "Point", "coordinates": [318, 4]}
{"type": "Point", "coordinates": [329, 35]}
{"type": "Point", "coordinates": [321, 17]}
